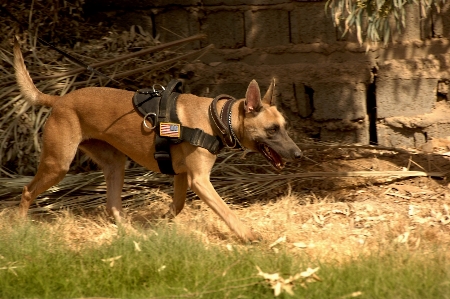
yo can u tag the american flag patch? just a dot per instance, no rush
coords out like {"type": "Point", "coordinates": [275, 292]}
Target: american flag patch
{"type": "Point", "coordinates": [169, 130]}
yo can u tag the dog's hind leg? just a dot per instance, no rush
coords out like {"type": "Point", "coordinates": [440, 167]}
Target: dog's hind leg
{"type": "Point", "coordinates": [112, 162]}
{"type": "Point", "coordinates": [58, 151]}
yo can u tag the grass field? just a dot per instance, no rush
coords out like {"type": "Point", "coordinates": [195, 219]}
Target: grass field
{"type": "Point", "coordinates": [364, 237]}
{"type": "Point", "coordinates": [83, 256]}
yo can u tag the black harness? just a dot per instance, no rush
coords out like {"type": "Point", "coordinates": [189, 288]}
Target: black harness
{"type": "Point", "coordinates": [158, 107]}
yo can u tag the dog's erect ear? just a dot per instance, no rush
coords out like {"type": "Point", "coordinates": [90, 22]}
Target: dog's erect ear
{"type": "Point", "coordinates": [252, 97]}
{"type": "Point", "coordinates": [269, 96]}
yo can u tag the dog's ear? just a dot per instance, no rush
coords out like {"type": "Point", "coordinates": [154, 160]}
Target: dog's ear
{"type": "Point", "coordinates": [252, 97]}
{"type": "Point", "coordinates": [269, 96]}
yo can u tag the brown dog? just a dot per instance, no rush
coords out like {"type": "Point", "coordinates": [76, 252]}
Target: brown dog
{"type": "Point", "coordinates": [103, 123]}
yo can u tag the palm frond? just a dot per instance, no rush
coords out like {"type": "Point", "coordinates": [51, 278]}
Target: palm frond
{"type": "Point", "coordinates": [374, 20]}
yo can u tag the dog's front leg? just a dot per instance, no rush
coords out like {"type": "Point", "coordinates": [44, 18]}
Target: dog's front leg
{"type": "Point", "coordinates": [112, 162]}
{"type": "Point", "coordinates": [201, 185]}
{"type": "Point", "coordinates": [180, 186]}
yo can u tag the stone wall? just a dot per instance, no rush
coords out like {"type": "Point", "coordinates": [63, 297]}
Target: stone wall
{"type": "Point", "coordinates": [330, 87]}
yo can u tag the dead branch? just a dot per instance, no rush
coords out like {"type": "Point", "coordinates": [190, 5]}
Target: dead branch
{"type": "Point", "coordinates": [118, 59]}
{"type": "Point", "coordinates": [158, 65]}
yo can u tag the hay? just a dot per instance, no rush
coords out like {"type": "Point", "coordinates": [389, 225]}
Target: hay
{"type": "Point", "coordinates": [239, 179]}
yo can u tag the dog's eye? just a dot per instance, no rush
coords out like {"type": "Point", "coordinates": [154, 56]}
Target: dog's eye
{"type": "Point", "coordinates": [272, 130]}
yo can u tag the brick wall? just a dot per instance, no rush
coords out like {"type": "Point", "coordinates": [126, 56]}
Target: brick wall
{"type": "Point", "coordinates": [328, 85]}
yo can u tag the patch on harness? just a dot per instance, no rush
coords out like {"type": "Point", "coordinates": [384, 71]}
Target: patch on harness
{"type": "Point", "coordinates": [169, 130]}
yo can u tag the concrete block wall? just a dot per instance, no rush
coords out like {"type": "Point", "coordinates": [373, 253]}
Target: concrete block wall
{"type": "Point", "coordinates": [441, 21]}
{"type": "Point", "coordinates": [330, 87]}
{"type": "Point", "coordinates": [309, 24]}
{"type": "Point", "coordinates": [175, 24]}
{"type": "Point", "coordinates": [339, 100]}
{"type": "Point", "coordinates": [229, 33]}
{"type": "Point", "coordinates": [405, 97]}
{"type": "Point", "coordinates": [399, 137]}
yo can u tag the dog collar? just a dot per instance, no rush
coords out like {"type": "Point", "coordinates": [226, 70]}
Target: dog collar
{"type": "Point", "coordinates": [222, 122]}
{"type": "Point", "coordinates": [237, 142]}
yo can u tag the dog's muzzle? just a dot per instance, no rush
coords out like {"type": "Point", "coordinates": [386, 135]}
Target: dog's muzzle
{"type": "Point", "coordinates": [271, 155]}
{"type": "Point", "coordinates": [275, 158]}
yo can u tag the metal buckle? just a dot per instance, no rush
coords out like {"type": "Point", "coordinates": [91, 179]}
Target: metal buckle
{"type": "Point", "coordinates": [160, 156]}
{"type": "Point", "coordinates": [152, 119]}
{"type": "Point", "coordinates": [158, 91]}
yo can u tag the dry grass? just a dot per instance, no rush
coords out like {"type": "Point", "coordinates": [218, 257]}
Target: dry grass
{"type": "Point", "coordinates": [328, 230]}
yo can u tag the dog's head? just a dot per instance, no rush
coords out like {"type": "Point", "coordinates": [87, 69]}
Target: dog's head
{"type": "Point", "coordinates": [264, 128]}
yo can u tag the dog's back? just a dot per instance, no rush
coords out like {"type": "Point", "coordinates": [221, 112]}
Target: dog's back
{"type": "Point", "coordinates": [85, 102]}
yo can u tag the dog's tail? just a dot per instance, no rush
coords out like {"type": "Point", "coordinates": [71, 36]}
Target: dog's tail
{"type": "Point", "coordinates": [27, 87]}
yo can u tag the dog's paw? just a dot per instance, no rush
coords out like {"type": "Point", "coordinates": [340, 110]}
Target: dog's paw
{"type": "Point", "coordinates": [21, 213]}
{"type": "Point", "coordinates": [257, 237]}
{"type": "Point", "coordinates": [169, 216]}
{"type": "Point", "coordinates": [251, 237]}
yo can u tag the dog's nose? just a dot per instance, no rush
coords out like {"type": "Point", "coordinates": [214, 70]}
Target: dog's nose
{"type": "Point", "coordinates": [298, 154]}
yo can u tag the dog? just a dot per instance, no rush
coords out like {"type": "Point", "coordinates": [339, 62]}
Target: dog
{"type": "Point", "coordinates": [103, 123]}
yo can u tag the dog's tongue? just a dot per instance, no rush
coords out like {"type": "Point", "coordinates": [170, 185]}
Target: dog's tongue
{"type": "Point", "coordinates": [277, 160]}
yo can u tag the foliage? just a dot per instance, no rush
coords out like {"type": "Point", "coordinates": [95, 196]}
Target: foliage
{"type": "Point", "coordinates": [375, 20]}
{"type": "Point", "coordinates": [58, 21]}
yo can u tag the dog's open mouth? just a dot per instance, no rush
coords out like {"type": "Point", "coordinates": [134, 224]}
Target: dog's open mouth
{"type": "Point", "coordinates": [272, 156]}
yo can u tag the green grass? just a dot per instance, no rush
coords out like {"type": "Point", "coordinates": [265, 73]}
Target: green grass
{"type": "Point", "coordinates": [37, 264]}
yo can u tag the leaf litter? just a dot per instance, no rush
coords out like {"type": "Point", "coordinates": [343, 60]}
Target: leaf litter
{"type": "Point", "coordinates": [280, 284]}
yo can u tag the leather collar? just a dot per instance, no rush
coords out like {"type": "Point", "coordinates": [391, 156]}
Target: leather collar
{"type": "Point", "coordinates": [222, 122]}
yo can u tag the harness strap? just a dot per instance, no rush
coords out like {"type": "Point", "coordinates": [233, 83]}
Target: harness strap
{"type": "Point", "coordinates": [168, 102]}
{"type": "Point", "coordinates": [199, 138]}
{"type": "Point", "coordinates": [159, 107]}
{"type": "Point", "coordinates": [162, 144]}
{"type": "Point", "coordinates": [162, 155]}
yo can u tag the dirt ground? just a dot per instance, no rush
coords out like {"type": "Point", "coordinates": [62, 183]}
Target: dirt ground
{"type": "Point", "coordinates": [336, 218]}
